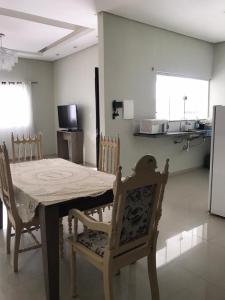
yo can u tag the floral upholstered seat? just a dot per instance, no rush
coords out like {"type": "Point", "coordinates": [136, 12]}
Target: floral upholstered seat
{"type": "Point", "coordinates": [137, 213]}
{"type": "Point", "coordinates": [133, 231]}
{"type": "Point", "coordinates": [93, 240]}
{"type": "Point", "coordinates": [136, 219]}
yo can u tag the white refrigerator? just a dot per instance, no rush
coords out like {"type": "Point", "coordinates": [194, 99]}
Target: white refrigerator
{"type": "Point", "coordinates": [217, 163]}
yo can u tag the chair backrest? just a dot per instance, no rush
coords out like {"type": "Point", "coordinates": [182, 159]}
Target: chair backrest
{"type": "Point", "coordinates": [6, 183]}
{"type": "Point", "coordinates": [109, 154]}
{"type": "Point", "coordinates": [137, 205]}
{"type": "Point", "coordinates": [26, 148]}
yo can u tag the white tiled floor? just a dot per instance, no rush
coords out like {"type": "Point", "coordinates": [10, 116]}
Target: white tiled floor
{"type": "Point", "coordinates": [190, 257]}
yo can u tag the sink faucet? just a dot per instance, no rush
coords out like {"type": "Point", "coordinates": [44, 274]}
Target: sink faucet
{"type": "Point", "coordinates": [184, 99]}
{"type": "Point", "coordinates": [186, 147]}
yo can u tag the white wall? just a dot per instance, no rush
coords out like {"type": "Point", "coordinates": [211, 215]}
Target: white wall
{"type": "Point", "coordinates": [42, 95]}
{"type": "Point", "coordinates": [128, 52]}
{"type": "Point", "coordinates": [217, 86]}
{"type": "Point", "coordinates": [74, 82]}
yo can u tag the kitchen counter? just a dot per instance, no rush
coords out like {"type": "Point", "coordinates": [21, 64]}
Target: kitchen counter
{"type": "Point", "coordinates": [187, 134]}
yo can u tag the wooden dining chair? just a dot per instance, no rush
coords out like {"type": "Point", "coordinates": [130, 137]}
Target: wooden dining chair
{"type": "Point", "coordinates": [30, 148]}
{"type": "Point", "coordinates": [133, 231]}
{"type": "Point", "coordinates": [108, 162]}
{"type": "Point", "coordinates": [26, 148]}
{"type": "Point", "coordinates": [109, 159]}
{"type": "Point", "coordinates": [109, 154]}
{"type": "Point", "coordinates": [13, 218]}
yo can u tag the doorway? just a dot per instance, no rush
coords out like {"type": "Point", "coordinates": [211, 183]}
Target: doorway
{"type": "Point", "coordinates": [97, 113]}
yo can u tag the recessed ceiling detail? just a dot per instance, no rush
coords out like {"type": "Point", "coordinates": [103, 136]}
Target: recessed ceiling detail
{"type": "Point", "coordinates": [32, 37]}
{"type": "Point", "coordinates": [38, 37]}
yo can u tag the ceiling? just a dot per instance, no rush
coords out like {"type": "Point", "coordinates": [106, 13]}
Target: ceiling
{"type": "Point", "coordinates": [51, 29]}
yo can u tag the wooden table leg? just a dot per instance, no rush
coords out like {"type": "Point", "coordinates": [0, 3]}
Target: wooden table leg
{"type": "Point", "coordinates": [49, 219]}
{"type": "Point", "coordinates": [1, 214]}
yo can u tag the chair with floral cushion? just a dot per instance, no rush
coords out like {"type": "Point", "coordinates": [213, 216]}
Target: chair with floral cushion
{"type": "Point", "coordinates": [133, 231]}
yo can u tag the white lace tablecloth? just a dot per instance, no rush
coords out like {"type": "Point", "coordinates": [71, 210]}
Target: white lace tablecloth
{"type": "Point", "coordinates": [49, 181]}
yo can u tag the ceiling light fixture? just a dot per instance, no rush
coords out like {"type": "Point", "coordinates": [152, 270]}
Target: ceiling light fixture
{"type": "Point", "coordinates": [8, 58]}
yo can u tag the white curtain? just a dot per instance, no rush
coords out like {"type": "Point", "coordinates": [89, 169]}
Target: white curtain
{"type": "Point", "coordinates": [16, 113]}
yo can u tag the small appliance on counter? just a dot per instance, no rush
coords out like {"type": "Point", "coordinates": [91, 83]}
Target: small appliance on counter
{"type": "Point", "coordinates": [204, 124]}
{"type": "Point", "coordinates": [153, 126]}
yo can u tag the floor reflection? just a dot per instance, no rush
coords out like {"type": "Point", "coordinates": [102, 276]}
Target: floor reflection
{"type": "Point", "coordinates": [181, 243]}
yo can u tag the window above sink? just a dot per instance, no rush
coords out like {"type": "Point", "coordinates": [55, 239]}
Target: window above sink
{"type": "Point", "coordinates": [181, 98]}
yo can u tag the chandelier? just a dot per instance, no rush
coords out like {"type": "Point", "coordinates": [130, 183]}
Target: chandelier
{"type": "Point", "coordinates": [8, 58]}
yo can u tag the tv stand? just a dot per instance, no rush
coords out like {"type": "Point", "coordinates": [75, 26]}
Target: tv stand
{"type": "Point", "coordinates": [72, 130]}
{"type": "Point", "coordinates": [70, 145]}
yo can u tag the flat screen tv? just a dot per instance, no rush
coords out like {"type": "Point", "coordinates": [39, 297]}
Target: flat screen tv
{"type": "Point", "coordinates": [67, 115]}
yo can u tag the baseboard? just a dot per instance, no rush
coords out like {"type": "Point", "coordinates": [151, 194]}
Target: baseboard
{"type": "Point", "coordinates": [50, 156]}
{"type": "Point", "coordinates": [87, 164]}
{"type": "Point", "coordinates": [181, 172]}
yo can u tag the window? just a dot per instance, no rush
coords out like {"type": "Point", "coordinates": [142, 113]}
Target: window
{"type": "Point", "coordinates": [15, 105]}
{"type": "Point", "coordinates": [180, 98]}
{"type": "Point", "coordinates": [15, 111]}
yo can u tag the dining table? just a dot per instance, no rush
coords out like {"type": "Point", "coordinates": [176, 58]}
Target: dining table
{"type": "Point", "coordinates": [50, 188]}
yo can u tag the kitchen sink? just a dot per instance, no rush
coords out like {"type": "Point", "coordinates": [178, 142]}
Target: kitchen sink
{"type": "Point", "coordinates": [194, 132]}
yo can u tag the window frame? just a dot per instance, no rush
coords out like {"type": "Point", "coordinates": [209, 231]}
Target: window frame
{"type": "Point", "coordinates": [187, 77]}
